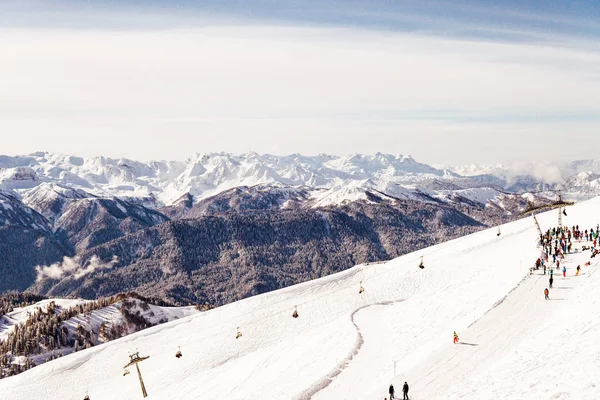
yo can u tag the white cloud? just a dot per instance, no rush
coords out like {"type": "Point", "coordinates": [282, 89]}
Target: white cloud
{"type": "Point", "coordinates": [71, 266]}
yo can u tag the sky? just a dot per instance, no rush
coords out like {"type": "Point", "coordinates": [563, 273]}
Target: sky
{"type": "Point", "coordinates": [451, 82]}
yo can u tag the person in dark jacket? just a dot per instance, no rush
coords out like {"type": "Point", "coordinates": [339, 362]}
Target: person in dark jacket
{"type": "Point", "coordinates": [551, 281]}
{"type": "Point", "coordinates": [405, 391]}
{"type": "Point", "coordinates": [391, 392]}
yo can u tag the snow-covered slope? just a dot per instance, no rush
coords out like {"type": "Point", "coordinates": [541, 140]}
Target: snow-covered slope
{"type": "Point", "coordinates": [21, 314]}
{"type": "Point", "coordinates": [347, 345]}
{"type": "Point", "coordinates": [98, 325]}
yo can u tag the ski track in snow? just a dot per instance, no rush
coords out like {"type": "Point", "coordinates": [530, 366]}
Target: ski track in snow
{"type": "Point", "coordinates": [317, 387]}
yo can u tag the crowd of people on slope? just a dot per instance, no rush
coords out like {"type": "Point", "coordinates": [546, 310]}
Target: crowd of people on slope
{"type": "Point", "coordinates": [559, 241]}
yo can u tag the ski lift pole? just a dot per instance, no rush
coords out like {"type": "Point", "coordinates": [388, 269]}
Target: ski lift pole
{"type": "Point", "coordinates": [537, 225]}
{"type": "Point", "coordinates": [559, 216]}
{"type": "Point", "coordinates": [136, 359]}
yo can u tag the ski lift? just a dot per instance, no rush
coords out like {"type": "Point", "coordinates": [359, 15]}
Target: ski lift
{"type": "Point", "coordinates": [178, 354]}
{"type": "Point", "coordinates": [126, 372]}
{"type": "Point", "coordinates": [564, 212]}
{"type": "Point", "coordinates": [421, 265]}
{"type": "Point", "coordinates": [86, 397]}
{"type": "Point", "coordinates": [239, 334]}
{"type": "Point", "coordinates": [362, 289]}
{"type": "Point", "coordinates": [295, 314]}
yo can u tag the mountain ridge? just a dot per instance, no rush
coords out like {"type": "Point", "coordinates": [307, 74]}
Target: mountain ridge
{"type": "Point", "coordinates": [161, 183]}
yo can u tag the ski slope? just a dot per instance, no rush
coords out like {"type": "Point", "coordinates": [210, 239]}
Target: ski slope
{"type": "Point", "coordinates": [347, 345]}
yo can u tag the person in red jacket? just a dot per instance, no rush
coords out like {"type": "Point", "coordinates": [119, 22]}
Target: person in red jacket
{"type": "Point", "coordinates": [455, 337]}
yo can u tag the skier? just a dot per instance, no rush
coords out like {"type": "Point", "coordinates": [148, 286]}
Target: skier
{"type": "Point", "coordinates": [455, 337]}
{"type": "Point", "coordinates": [391, 392]}
{"type": "Point", "coordinates": [405, 391]}
{"type": "Point", "coordinates": [578, 269]}
{"type": "Point", "coordinates": [546, 293]}
{"type": "Point", "coordinates": [551, 281]}
{"type": "Point", "coordinates": [564, 272]}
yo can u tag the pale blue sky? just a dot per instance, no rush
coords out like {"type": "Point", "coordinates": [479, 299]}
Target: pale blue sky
{"type": "Point", "coordinates": [444, 81]}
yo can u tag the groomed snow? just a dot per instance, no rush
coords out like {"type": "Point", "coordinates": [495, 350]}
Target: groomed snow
{"type": "Point", "coordinates": [344, 344]}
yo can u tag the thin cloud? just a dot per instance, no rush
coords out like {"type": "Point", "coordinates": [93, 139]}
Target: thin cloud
{"type": "Point", "coordinates": [242, 86]}
{"type": "Point", "coordinates": [73, 267]}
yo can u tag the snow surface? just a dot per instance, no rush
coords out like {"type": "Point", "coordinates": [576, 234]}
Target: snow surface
{"type": "Point", "coordinates": [347, 345]}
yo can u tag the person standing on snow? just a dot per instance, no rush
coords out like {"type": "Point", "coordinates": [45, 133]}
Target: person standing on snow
{"type": "Point", "coordinates": [551, 281]}
{"type": "Point", "coordinates": [405, 391]}
{"type": "Point", "coordinates": [578, 269]}
{"type": "Point", "coordinates": [455, 337]}
{"type": "Point", "coordinates": [546, 293]}
{"type": "Point", "coordinates": [391, 391]}
{"type": "Point", "coordinates": [564, 272]}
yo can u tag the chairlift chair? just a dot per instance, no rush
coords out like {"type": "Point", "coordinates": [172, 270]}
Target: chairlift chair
{"type": "Point", "coordinates": [239, 334]}
{"type": "Point", "coordinates": [421, 265]}
{"type": "Point", "coordinates": [295, 313]}
{"type": "Point", "coordinates": [126, 372]}
{"type": "Point", "coordinates": [499, 233]}
{"type": "Point", "coordinates": [178, 354]}
{"type": "Point", "coordinates": [362, 289]}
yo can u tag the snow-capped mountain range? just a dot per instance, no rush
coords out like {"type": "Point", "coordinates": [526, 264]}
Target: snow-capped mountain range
{"type": "Point", "coordinates": [162, 183]}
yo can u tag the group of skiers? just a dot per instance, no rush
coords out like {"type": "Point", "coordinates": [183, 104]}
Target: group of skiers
{"type": "Point", "coordinates": [558, 242]}
{"type": "Point", "coordinates": [404, 392]}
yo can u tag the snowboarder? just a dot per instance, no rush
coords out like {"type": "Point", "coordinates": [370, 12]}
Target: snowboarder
{"type": "Point", "coordinates": [391, 392]}
{"type": "Point", "coordinates": [551, 281]}
{"type": "Point", "coordinates": [546, 293]}
{"type": "Point", "coordinates": [578, 269]}
{"type": "Point", "coordinates": [455, 337]}
{"type": "Point", "coordinates": [564, 272]}
{"type": "Point", "coordinates": [405, 391]}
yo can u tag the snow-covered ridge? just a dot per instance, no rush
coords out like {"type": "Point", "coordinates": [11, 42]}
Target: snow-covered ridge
{"type": "Point", "coordinates": [159, 183]}
{"type": "Point", "coordinates": [203, 175]}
